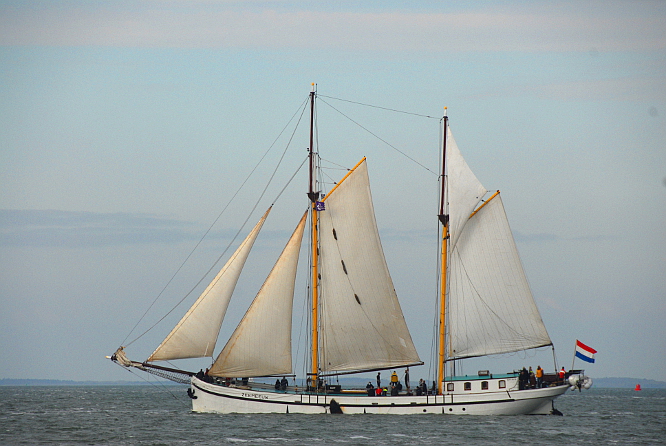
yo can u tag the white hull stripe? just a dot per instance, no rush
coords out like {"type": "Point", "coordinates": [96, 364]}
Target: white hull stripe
{"type": "Point", "coordinates": [369, 405]}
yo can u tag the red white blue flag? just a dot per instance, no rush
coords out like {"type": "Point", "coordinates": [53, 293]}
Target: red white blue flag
{"type": "Point", "coordinates": [584, 352]}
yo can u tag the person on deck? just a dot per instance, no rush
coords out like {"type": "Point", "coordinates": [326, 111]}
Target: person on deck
{"type": "Point", "coordinates": [379, 380]}
{"type": "Point", "coordinates": [539, 377]}
{"type": "Point", "coordinates": [523, 379]}
{"type": "Point", "coordinates": [407, 379]}
{"type": "Point", "coordinates": [561, 374]}
{"type": "Point", "coordinates": [532, 379]}
{"type": "Point", "coordinates": [284, 383]}
{"type": "Point", "coordinates": [394, 379]}
{"type": "Point", "coordinates": [424, 387]}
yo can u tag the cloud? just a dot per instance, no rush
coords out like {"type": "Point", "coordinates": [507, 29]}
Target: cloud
{"type": "Point", "coordinates": [67, 229]}
{"type": "Point", "coordinates": [548, 237]}
{"type": "Point", "coordinates": [535, 238]}
{"type": "Point", "coordinates": [286, 26]}
{"type": "Point", "coordinates": [627, 88]}
{"type": "Point", "coordinates": [51, 228]}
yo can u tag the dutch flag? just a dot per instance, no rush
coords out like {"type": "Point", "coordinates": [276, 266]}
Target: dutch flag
{"type": "Point", "coordinates": [584, 352]}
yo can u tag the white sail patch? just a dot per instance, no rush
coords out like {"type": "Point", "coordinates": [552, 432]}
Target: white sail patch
{"type": "Point", "coordinates": [261, 344]}
{"type": "Point", "coordinates": [196, 333]}
{"type": "Point", "coordinates": [362, 326]}
{"type": "Point", "coordinates": [491, 306]}
{"type": "Point", "coordinates": [465, 191]}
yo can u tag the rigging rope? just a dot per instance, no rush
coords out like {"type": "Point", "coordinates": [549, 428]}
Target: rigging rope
{"type": "Point", "coordinates": [290, 180]}
{"type": "Point", "coordinates": [379, 138]}
{"type": "Point", "coordinates": [152, 383]}
{"type": "Point", "coordinates": [302, 108]}
{"type": "Point", "coordinates": [377, 106]}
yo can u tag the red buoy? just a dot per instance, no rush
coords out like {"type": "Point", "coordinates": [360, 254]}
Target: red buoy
{"type": "Point", "coordinates": [638, 387]}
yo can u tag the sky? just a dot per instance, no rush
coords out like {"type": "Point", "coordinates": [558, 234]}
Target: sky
{"type": "Point", "coordinates": [129, 126]}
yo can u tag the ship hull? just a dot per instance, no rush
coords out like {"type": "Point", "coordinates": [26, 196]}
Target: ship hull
{"type": "Point", "coordinates": [213, 398]}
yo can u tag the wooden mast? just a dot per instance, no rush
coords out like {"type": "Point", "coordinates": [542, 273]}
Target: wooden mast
{"type": "Point", "coordinates": [444, 220]}
{"type": "Point", "coordinates": [314, 197]}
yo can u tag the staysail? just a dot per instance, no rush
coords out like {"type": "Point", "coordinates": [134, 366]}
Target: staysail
{"type": "Point", "coordinates": [196, 333]}
{"type": "Point", "coordinates": [362, 326]}
{"type": "Point", "coordinates": [491, 307]}
{"type": "Point", "coordinates": [261, 344]}
{"type": "Point", "coordinates": [465, 191]}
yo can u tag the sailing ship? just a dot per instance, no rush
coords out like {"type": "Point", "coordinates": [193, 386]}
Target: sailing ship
{"type": "Point", "coordinates": [485, 308]}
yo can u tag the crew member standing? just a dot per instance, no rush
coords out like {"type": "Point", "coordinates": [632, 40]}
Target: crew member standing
{"type": "Point", "coordinates": [394, 379]}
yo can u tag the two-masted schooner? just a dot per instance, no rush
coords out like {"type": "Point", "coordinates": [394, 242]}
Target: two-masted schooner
{"type": "Point", "coordinates": [485, 308]}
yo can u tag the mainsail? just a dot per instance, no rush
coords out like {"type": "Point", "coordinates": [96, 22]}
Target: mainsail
{"type": "Point", "coordinates": [261, 344]}
{"type": "Point", "coordinates": [196, 333]}
{"type": "Point", "coordinates": [362, 325]}
{"type": "Point", "coordinates": [491, 307]}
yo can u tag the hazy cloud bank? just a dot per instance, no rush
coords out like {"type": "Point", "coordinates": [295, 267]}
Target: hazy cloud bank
{"type": "Point", "coordinates": [615, 26]}
{"type": "Point", "coordinates": [52, 228]}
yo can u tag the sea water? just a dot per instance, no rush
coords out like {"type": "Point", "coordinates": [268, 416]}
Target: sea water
{"type": "Point", "coordinates": [161, 415]}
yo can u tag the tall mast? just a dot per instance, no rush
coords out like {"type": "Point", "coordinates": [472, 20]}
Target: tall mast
{"type": "Point", "coordinates": [314, 197]}
{"type": "Point", "coordinates": [444, 220]}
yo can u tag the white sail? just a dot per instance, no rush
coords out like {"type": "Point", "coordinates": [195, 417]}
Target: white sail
{"type": "Point", "coordinates": [362, 325]}
{"type": "Point", "coordinates": [491, 308]}
{"type": "Point", "coordinates": [464, 189]}
{"type": "Point", "coordinates": [196, 333]}
{"type": "Point", "coordinates": [261, 344]}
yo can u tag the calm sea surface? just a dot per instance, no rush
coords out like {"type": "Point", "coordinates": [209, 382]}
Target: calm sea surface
{"type": "Point", "coordinates": [147, 415]}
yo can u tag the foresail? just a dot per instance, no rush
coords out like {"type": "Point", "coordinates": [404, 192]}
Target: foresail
{"type": "Point", "coordinates": [261, 344]}
{"type": "Point", "coordinates": [465, 191]}
{"type": "Point", "coordinates": [196, 333]}
{"type": "Point", "coordinates": [491, 308]}
{"type": "Point", "coordinates": [362, 325]}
